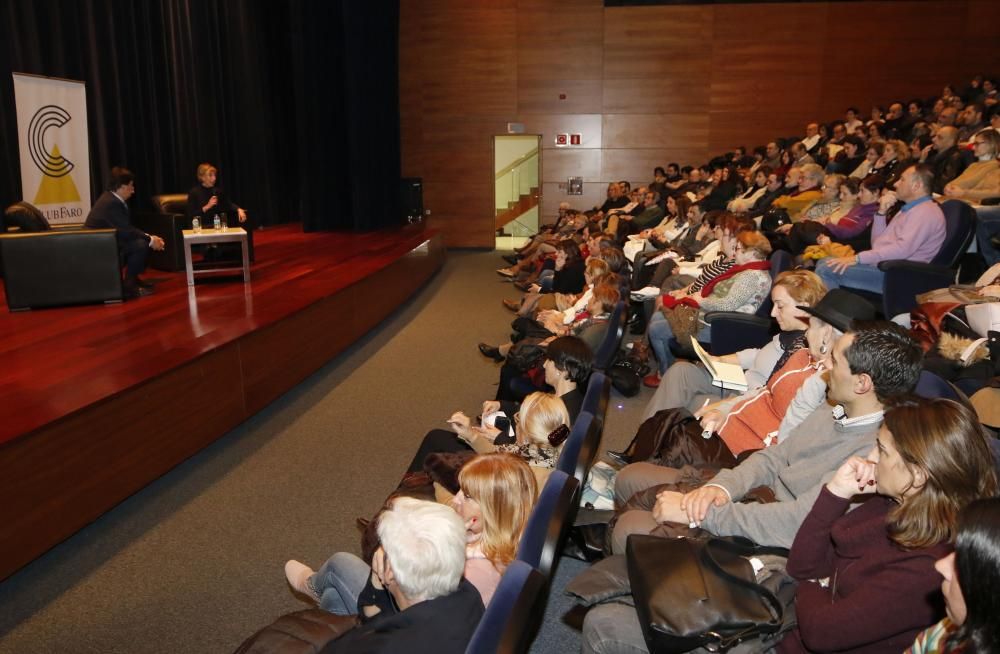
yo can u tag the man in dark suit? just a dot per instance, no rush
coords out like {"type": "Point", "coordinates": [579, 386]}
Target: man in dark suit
{"type": "Point", "coordinates": [111, 212]}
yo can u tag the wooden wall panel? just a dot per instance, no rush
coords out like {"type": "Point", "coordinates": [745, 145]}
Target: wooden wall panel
{"type": "Point", "coordinates": [561, 164]}
{"type": "Point", "coordinates": [632, 96]}
{"type": "Point", "coordinates": [636, 166]}
{"type": "Point", "coordinates": [653, 43]}
{"type": "Point", "coordinates": [559, 40]}
{"type": "Point", "coordinates": [648, 85]}
{"type": "Point", "coordinates": [548, 125]}
{"type": "Point", "coordinates": [542, 96]}
{"type": "Point", "coordinates": [552, 195]}
{"type": "Point", "coordinates": [688, 131]}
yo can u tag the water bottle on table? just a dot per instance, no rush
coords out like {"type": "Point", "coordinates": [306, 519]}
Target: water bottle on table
{"type": "Point", "coordinates": [217, 223]}
{"type": "Point", "coordinates": [196, 224]}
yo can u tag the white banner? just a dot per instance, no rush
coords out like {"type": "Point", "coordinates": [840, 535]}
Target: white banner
{"type": "Point", "coordinates": [55, 151]}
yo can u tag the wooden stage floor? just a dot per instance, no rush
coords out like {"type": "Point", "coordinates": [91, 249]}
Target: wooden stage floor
{"type": "Point", "coordinates": [97, 401]}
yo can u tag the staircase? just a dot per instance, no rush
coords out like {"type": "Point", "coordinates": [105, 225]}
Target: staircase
{"type": "Point", "coordinates": [517, 208]}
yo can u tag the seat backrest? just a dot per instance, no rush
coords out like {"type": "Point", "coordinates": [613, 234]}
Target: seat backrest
{"type": "Point", "coordinates": [616, 329]}
{"type": "Point", "coordinates": [960, 229]}
{"type": "Point", "coordinates": [571, 448]}
{"type": "Point", "coordinates": [781, 261]}
{"type": "Point", "coordinates": [931, 386]}
{"type": "Point", "coordinates": [588, 450]}
{"type": "Point", "coordinates": [598, 393]}
{"type": "Point", "coordinates": [170, 203]}
{"type": "Point", "coordinates": [26, 217]}
{"type": "Point", "coordinates": [553, 514]}
{"type": "Point", "coordinates": [506, 625]}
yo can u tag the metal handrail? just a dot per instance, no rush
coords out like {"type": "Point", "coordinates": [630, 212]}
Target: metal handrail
{"type": "Point", "coordinates": [517, 162]}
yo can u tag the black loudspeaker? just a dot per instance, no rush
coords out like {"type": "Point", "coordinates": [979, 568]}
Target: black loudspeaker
{"type": "Point", "coordinates": [411, 199]}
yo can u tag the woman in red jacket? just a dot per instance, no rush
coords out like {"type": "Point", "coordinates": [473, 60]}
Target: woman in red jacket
{"type": "Point", "coordinates": [867, 576]}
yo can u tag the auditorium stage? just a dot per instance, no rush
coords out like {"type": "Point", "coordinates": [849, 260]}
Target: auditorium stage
{"type": "Point", "coordinates": [97, 401]}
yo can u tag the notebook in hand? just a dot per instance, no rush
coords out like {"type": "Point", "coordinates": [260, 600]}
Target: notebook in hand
{"type": "Point", "coordinates": [728, 376]}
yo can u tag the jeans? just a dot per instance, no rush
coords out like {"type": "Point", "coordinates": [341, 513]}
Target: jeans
{"type": "Point", "coordinates": [339, 582]}
{"type": "Point", "coordinates": [988, 226]}
{"type": "Point", "coordinates": [660, 333]}
{"type": "Point", "coordinates": [613, 629]}
{"type": "Point", "coordinates": [860, 276]}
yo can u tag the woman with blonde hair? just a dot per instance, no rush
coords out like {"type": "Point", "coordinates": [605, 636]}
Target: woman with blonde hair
{"type": "Point", "coordinates": [931, 459]}
{"type": "Point", "coordinates": [497, 492]}
{"type": "Point", "coordinates": [689, 385]}
{"type": "Point", "coordinates": [540, 429]}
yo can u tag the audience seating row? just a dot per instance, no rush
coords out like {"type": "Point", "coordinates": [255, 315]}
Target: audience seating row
{"type": "Point", "coordinates": [513, 615]}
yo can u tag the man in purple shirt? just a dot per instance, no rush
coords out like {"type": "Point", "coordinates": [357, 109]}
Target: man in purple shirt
{"type": "Point", "coordinates": [916, 234]}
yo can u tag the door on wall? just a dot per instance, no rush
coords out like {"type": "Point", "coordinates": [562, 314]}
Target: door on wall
{"type": "Point", "coordinates": [515, 187]}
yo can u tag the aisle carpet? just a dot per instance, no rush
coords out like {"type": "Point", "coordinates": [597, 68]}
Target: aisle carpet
{"type": "Point", "coordinates": [193, 563]}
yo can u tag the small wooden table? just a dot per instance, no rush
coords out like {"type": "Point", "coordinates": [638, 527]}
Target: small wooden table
{"type": "Point", "coordinates": [206, 236]}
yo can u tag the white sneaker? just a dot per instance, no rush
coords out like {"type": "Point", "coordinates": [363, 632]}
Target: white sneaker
{"type": "Point", "coordinates": [646, 293]}
{"type": "Point", "coordinates": [506, 272]}
{"type": "Point", "coordinates": [298, 575]}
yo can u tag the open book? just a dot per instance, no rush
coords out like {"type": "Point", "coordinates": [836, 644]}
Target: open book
{"type": "Point", "coordinates": [728, 376]}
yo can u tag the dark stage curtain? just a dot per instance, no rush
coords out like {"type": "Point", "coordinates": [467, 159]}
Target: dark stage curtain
{"type": "Point", "coordinates": [296, 102]}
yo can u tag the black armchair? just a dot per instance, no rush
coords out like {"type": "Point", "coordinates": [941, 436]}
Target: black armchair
{"type": "Point", "coordinates": [166, 220]}
{"type": "Point", "coordinates": [60, 267]}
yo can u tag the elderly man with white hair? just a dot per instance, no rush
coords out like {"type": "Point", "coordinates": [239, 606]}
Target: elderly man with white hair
{"type": "Point", "coordinates": [420, 564]}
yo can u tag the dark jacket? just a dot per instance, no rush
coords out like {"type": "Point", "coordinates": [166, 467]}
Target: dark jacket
{"type": "Point", "coordinates": [109, 212]}
{"type": "Point", "coordinates": [443, 625]}
{"type": "Point", "coordinates": [948, 164]}
{"type": "Point", "coordinates": [763, 203]}
{"type": "Point", "coordinates": [570, 279]}
{"type": "Point", "coordinates": [610, 204]}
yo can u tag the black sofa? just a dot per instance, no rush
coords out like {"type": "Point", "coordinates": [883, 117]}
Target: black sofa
{"type": "Point", "coordinates": [45, 266]}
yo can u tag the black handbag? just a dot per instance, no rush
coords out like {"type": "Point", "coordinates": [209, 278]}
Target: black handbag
{"type": "Point", "coordinates": [626, 373]}
{"type": "Point", "coordinates": [692, 593]}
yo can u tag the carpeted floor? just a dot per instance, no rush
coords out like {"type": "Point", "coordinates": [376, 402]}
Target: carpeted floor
{"type": "Point", "coordinates": [193, 563]}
